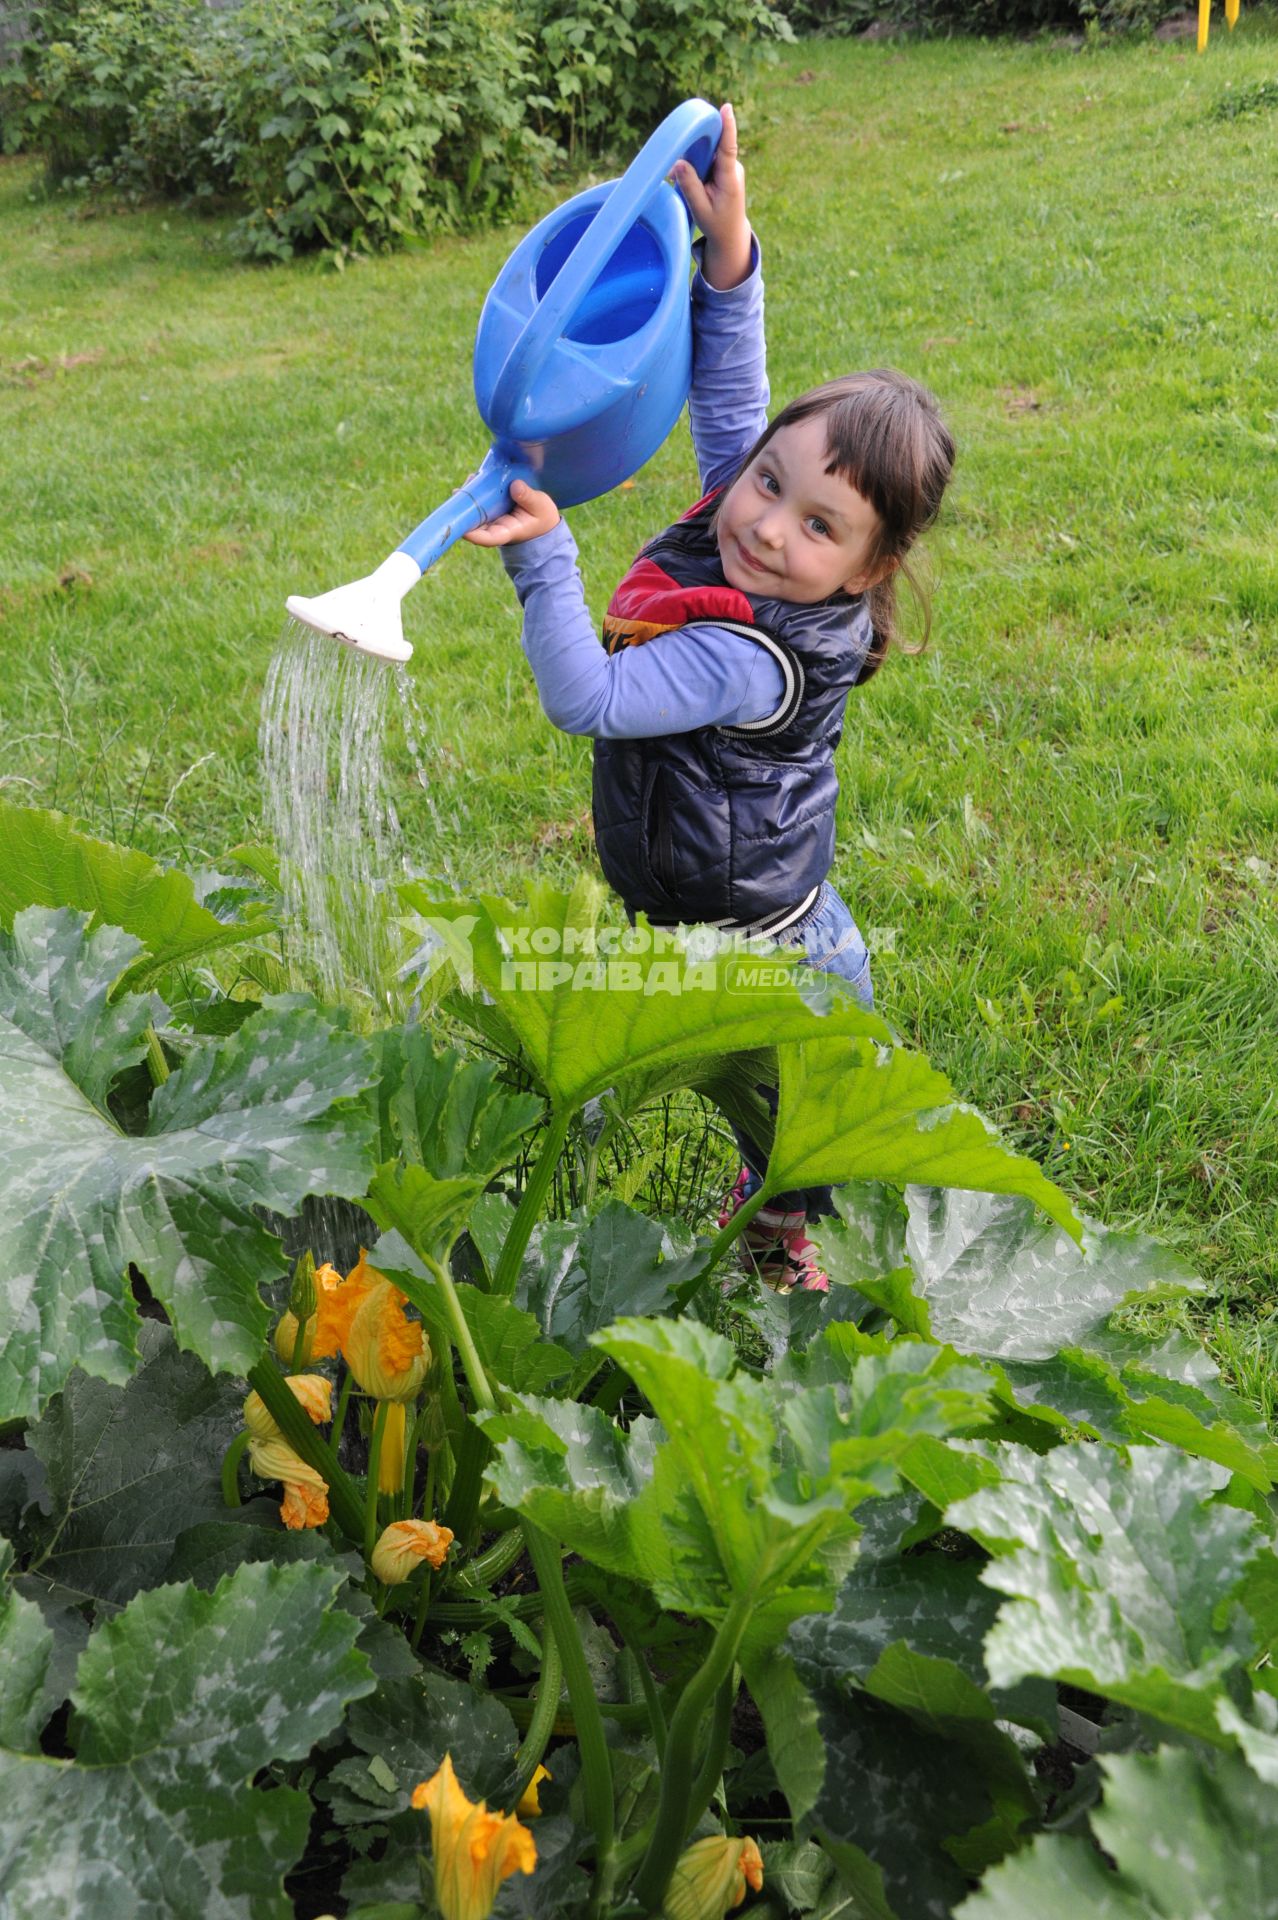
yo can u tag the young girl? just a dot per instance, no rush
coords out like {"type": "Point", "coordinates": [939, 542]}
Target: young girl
{"type": "Point", "coordinates": [734, 640]}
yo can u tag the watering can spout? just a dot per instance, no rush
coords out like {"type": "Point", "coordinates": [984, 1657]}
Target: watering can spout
{"type": "Point", "coordinates": [366, 613]}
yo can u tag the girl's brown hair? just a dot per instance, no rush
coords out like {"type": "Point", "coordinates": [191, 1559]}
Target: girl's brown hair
{"type": "Point", "coordinates": [884, 435]}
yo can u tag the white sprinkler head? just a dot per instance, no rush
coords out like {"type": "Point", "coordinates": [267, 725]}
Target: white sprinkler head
{"type": "Point", "coordinates": [365, 614]}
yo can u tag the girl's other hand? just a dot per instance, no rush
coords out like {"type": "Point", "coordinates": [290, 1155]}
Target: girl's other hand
{"type": "Point", "coordinates": [530, 513]}
{"type": "Point", "coordinates": [718, 205]}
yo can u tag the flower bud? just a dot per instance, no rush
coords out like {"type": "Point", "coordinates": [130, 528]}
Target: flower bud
{"type": "Point", "coordinates": [301, 1295]}
{"type": "Point", "coordinates": [386, 1351]}
{"type": "Point", "coordinates": [305, 1502]}
{"type": "Point", "coordinates": [473, 1851]}
{"type": "Point", "coordinates": [710, 1878]}
{"type": "Point", "coordinates": [311, 1390]}
{"type": "Point", "coordinates": [287, 1330]}
{"type": "Point", "coordinates": [403, 1547]}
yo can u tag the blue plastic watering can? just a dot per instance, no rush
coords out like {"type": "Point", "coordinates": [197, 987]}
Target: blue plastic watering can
{"type": "Point", "coordinates": [583, 360]}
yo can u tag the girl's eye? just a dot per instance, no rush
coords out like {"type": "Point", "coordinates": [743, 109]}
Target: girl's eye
{"type": "Point", "coordinates": [768, 480]}
{"type": "Point", "coordinates": [818, 526]}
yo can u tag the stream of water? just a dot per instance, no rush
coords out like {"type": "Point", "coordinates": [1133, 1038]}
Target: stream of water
{"type": "Point", "coordinates": [325, 714]}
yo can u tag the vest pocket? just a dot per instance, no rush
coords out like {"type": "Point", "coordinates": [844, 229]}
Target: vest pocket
{"type": "Point", "coordinates": [658, 839]}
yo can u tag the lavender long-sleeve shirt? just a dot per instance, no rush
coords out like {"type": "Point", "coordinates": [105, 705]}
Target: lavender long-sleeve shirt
{"type": "Point", "coordinates": [696, 676]}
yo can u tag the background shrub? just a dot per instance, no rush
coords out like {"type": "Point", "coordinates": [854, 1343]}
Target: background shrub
{"type": "Point", "coordinates": [118, 90]}
{"type": "Point", "coordinates": [340, 125]}
{"type": "Point", "coordinates": [354, 123]}
{"type": "Point", "coordinates": [354, 126]}
{"type": "Point", "coordinates": [609, 69]}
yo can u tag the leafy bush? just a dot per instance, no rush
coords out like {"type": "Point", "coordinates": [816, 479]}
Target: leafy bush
{"type": "Point", "coordinates": [609, 69]}
{"type": "Point", "coordinates": [342, 125]}
{"type": "Point", "coordinates": [353, 126]}
{"type": "Point", "coordinates": [826, 1577]}
{"type": "Point", "coordinates": [119, 90]}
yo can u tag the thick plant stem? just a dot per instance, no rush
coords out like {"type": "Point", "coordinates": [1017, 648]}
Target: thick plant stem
{"type": "Point", "coordinates": [596, 1765]}
{"type": "Point", "coordinates": [472, 1455]}
{"type": "Point", "coordinates": [370, 1493]}
{"type": "Point", "coordinates": [531, 1204]}
{"type": "Point", "coordinates": [296, 1426]}
{"type": "Point", "coordinates": [673, 1822]}
{"type": "Point", "coordinates": [468, 1485]}
{"type": "Point", "coordinates": [542, 1724]}
{"type": "Point", "coordinates": [472, 1366]}
{"type": "Point", "coordinates": [343, 1401]}
{"type": "Point", "coordinates": [710, 1772]}
{"type": "Point", "coordinates": [231, 1469]}
{"type": "Point", "coordinates": [423, 1608]}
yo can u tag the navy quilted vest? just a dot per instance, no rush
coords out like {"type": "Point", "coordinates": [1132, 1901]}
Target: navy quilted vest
{"type": "Point", "coordinates": [733, 825]}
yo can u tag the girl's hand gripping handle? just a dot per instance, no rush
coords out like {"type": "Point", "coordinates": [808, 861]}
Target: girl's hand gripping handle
{"type": "Point", "coordinates": [718, 205]}
{"type": "Point", "coordinates": [530, 513]}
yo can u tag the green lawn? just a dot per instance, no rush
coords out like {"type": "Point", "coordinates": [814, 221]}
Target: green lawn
{"type": "Point", "coordinates": [1063, 821]}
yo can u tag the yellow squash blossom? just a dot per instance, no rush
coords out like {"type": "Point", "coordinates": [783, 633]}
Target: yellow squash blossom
{"type": "Point", "coordinates": [711, 1878]}
{"type": "Point", "coordinates": [305, 1502]}
{"type": "Point", "coordinates": [474, 1851]}
{"type": "Point", "coordinates": [529, 1806]}
{"type": "Point", "coordinates": [386, 1351]}
{"type": "Point", "coordinates": [335, 1303]}
{"type": "Point", "coordinates": [405, 1544]}
{"type": "Point", "coordinates": [311, 1390]}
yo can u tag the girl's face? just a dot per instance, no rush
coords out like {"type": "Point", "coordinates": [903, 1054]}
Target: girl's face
{"type": "Point", "coordinates": [789, 530]}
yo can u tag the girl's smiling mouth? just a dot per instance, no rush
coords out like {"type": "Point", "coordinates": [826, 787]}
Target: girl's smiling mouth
{"type": "Point", "coordinates": [755, 566]}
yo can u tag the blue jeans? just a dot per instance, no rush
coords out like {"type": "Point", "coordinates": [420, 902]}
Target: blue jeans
{"type": "Point", "coordinates": [833, 944]}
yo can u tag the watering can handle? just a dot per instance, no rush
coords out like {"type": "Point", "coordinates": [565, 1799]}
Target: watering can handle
{"type": "Point", "coordinates": [691, 132]}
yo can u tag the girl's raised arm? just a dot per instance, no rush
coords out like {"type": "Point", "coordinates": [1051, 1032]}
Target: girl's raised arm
{"type": "Point", "coordinates": [729, 399]}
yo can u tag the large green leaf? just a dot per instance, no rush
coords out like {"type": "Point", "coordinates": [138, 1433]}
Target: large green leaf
{"type": "Point", "coordinates": [894, 1803]}
{"type": "Point", "coordinates": [997, 1281]}
{"type": "Point", "coordinates": [26, 1648]}
{"type": "Point", "coordinates": [768, 1471]}
{"type": "Point", "coordinates": [850, 1111]}
{"type": "Point", "coordinates": [1121, 1577]}
{"type": "Point", "coordinates": [583, 1039]}
{"type": "Point", "coordinates": [454, 1116]}
{"type": "Point", "coordinates": [906, 1632]}
{"type": "Point", "coordinates": [429, 1214]}
{"type": "Point", "coordinates": [1190, 1841]}
{"type": "Point", "coordinates": [988, 1276]}
{"type": "Point", "coordinates": [129, 1469]}
{"type": "Point", "coordinates": [180, 1700]}
{"type": "Point", "coordinates": [257, 1120]}
{"type": "Point", "coordinates": [454, 1126]}
{"type": "Point", "coordinates": [581, 1479]}
{"type": "Point", "coordinates": [746, 1487]}
{"type": "Point", "coordinates": [580, 1273]}
{"type": "Point", "coordinates": [851, 1106]}
{"type": "Point", "coordinates": [908, 1629]}
{"type": "Point", "coordinates": [401, 1734]}
{"type": "Point", "coordinates": [47, 863]}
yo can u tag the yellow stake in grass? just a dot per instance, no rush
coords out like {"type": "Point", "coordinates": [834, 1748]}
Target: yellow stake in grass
{"type": "Point", "coordinates": [1204, 19]}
